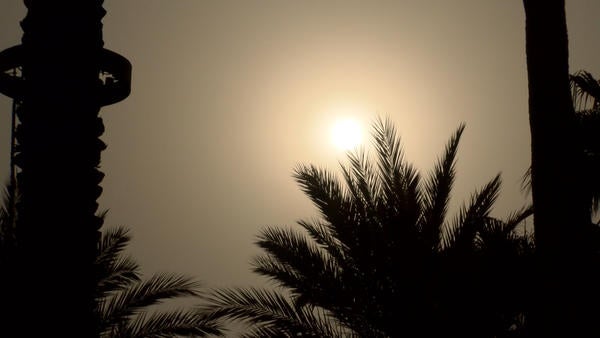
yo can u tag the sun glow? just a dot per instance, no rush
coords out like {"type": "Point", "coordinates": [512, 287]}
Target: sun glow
{"type": "Point", "coordinates": [346, 134]}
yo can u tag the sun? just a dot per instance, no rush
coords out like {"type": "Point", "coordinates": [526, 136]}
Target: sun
{"type": "Point", "coordinates": [346, 134]}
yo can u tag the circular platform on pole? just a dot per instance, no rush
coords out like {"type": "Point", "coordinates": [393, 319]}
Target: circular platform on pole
{"type": "Point", "coordinates": [114, 75]}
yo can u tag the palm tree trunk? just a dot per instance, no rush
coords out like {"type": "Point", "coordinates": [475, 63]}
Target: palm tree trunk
{"type": "Point", "coordinates": [58, 155]}
{"type": "Point", "coordinates": [560, 207]}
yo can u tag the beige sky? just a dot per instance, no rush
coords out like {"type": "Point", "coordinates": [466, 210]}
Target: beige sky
{"type": "Point", "coordinates": [229, 95]}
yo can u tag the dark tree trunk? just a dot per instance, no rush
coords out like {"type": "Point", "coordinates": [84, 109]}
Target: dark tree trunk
{"type": "Point", "coordinates": [58, 156]}
{"type": "Point", "coordinates": [561, 210]}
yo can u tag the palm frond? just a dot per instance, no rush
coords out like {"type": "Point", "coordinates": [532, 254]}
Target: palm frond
{"type": "Point", "coordinates": [400, 194]}
{"type": "Point", "coordinates": [461, 234]}
{"type": "Point", "coordinates": [176, 323]}
{"type": "Point", "coordinates": [119, 275]}
{"type": "Point", "coordinates": [394, 172]}
{"type": "Point", "coordinates": [324, 235]}
{"type": "Point", "coordinates": [280, 273]}
{"type": "Point", "coordinates": [357, 214]}
{"type": "Point", "coordinates": [322, 187]}
{"type": "Point", "coordinates": [155, 290]}
{"type": "Point", "coordinates": [113, 243]}
{"type": "Point", "coordinates": [337, 206]}
{"type": "Point", "coordinates": [494, 238]}
{"type": "Point", "coordinates": [266, 332]}
{"type": "Point", "coordinates": [585, 90]}
{"type": "Point", "coordinates": [390, 153]}
{"type": "Point", "coordinates": [517, 217]}
{"type": "Point", "coordinates": [437, 192]}
{"type": "Point", "coordinates": [271, 314]}
{"type": "Point", "coordinates": [115, 271]}
{"type": "Point", "coordinates": [298, 264]}
{"type": "Point", "coordinates": [526, 182]}
{"type": "Point", "coordinates": [363, 178]}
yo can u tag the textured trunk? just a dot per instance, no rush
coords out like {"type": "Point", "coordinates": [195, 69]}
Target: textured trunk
{"type": "Point", "coordinates": [560, 208]}
{"type": "Point", "coordinates": [58, 156]}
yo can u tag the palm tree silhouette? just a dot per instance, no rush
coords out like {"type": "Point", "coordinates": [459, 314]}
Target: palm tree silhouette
{"type": "Point", "coordinates": [124, 298]}
{"type": "Point", "coordinates": [383, 260]}
{"type": "Point", "coordinates": [272, 313]}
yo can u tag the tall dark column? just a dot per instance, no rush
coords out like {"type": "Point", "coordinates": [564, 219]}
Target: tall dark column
{"type": "Point", "coordinates": [560, 201]}
{"type": "Point", "coordinates": [59, 154]}
{"type": "Point", "coordinates": [65, 77]}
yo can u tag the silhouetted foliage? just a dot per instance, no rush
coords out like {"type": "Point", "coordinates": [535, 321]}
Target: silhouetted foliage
{"type": "Point", "coordinates": [8, 240]}
{"type": "Point", "coordinates": [8, 260]}
{"type": "Point", "coordinates": [271, 313]}
{"type": "Point", "coordinates": [383, 260]}
{"type": "Point", "coordinates": [124, 298]}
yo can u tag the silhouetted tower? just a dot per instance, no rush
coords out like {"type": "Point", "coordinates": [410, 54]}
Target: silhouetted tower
{"type": "Point", "coordinates": [59, 77]}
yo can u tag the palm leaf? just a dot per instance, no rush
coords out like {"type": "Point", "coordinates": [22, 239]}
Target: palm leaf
{"type": "Point", "coordinates": [322, 187]}
{"type": "Point", "coordinates": [460, 236]}
{"type": "Point", "coordinates": [395, 174]}
{"type": "Point", "coordinates": [116, 272]}
{"type": "Point", "coordinates": [298, 264]}
{"type": "Point", "coordinates": [160, 287]}
{"type": "Point", "coordinates": [176, 323]}
{"type": "Point", "coordinates": [362, 180]}
{"type": "Point", "coordinates": [271, 314]}
{"type": "Point", "coordinates": [323, 234]}
{"type": "Point", "coordinates": [400, 195]}
{"type": "Point", "coordinates": [328, 195]}
{"type": "Point", "coordinates": [390, 154]}
{"type": "Point", "coordinates": [120, 275]}
{"type": "Point", "coordinates": [517, 217]}
{"type": "Point", "coordinates": [586, 90]}
{"type": "Point", "coordinates": [114, 241]}
{"type": "Point", "coordinates": [437, 193]}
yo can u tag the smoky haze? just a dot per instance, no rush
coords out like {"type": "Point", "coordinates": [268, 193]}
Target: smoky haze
{"type": "Point", "coordinates": [228, 96]}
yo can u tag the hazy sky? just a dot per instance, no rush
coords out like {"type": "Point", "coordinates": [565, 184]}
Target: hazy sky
{"type": "Point", "coordinates": [228, 96]}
